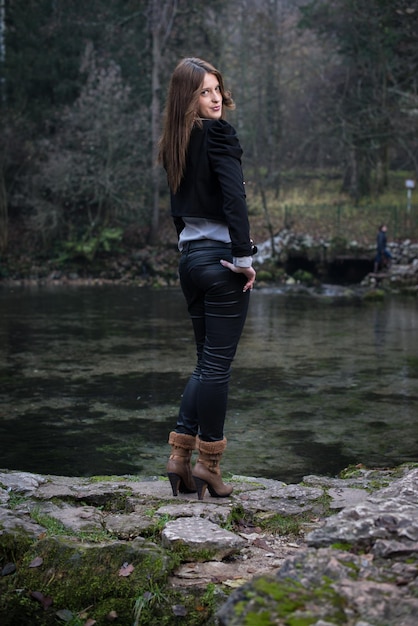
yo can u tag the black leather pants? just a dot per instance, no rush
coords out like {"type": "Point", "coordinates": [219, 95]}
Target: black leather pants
{"type": "Point", "coordinates": [218, 308]}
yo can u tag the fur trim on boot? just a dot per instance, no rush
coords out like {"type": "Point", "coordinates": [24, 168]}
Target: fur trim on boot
{"type": "Point", "coordinates": [179, 469]}
{"type": "Point", "coordinates": [207, 472]}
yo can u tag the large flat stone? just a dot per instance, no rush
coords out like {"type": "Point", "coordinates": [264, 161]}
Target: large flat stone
{"type": "Point", "coordinates": [201, 535]}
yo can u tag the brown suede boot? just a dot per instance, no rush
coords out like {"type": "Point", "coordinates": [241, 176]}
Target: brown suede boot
{"type": "Point", "coordinates": [179, 469]}
{"type": "Point", "coordinates": [207, 473]}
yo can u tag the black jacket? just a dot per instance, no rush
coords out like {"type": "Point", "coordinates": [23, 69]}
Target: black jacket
{"type": "Point", "coordinates": [212, 186]}
{"type": "Point", "coordinates": [381, 241]}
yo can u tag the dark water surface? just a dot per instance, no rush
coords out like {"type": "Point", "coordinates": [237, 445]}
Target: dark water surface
{"type": "Point", "coordinates": [91, 378]}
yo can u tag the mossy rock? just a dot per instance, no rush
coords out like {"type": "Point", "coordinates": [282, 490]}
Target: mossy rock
{"type": "Point", "coordinates": [306, 278]}
{"type": "Point", "coordinates": [267, 601]}
{"type": "Point", "coordinates": [338, 245]}
{"type": "Point", "coordinates": [264, 276]}
{"type": "Point", "coordinates": [374, 295]}
{"type": "Point", "coordinates": [60, 580]}
{"type": "Point", "coordinates": [75, 576]}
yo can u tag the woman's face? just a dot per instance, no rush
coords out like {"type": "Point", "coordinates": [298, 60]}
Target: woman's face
{"type": "Point", "coordinates": [210, 99]}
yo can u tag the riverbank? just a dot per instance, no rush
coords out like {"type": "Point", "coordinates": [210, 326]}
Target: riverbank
{"type": "Point", "coordinates": [122, 550]}
{"type": "Point", "coordinates": [290, 258]}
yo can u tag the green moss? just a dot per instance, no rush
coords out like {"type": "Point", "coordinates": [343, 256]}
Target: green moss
{"type": "Point", "coordinates": [153, 532]}
{"type": "Point", "coordinates": [209, 597]}
{"type": "Point", "coordinates": [183, 553]}
{"type": "Point", "coordinates": [110, 478]}
{"type": "Point", "coordinates": [374, 295]}
{"type": "Point", "coordinates": [401, 469]}
{"type": "Point", "coordinates": [352, 471]}
{"type": "Point", "coordinates": [239, 608]}
{"type": "Point", "coordinates": [264, 276]}
{"type": "Point", "coordinates": [323, 503]}
{"type": "Point", "coordinates": [338, 245]}
{"type": "Point", "coordinates": [245, 480]}
{"type": "Point", "coordinates": [77, 576]}
{"type": "Point", "coordinates": [275, 523]}
{"type": "Point", "coordinates": [51, 525]}
{"type": "Point", "coordinates": [117, 503]}
{"type": "Point", "coordinates": [376, 478]}
{"type": "Point", "coordinates": [272, 601]}
{"type": "Point", "coordinates": [304, 277]}
{"type": "Point", "coordinates": [375, 485]}
{"type": "Point", "coordinates": [55, 528]}
{"type": "Point", "coordinates": [16, 499]}
{"type": "Point", "coordinates": [237, 515]}
{"type": "Point", "coordinates": [282, 594]}
{"type": "Point", "coordinates": [13, 546]}
{"type": "Point", "coordinates": [344, 547]}
{"type": "Point", "coordinates": [258, 619]}
{"type": "Point", "coordinates": [289, 525]}
{"type": "Point", "coordinates": [95, 536]}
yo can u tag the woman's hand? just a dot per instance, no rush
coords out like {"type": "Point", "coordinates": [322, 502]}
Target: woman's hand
{"type": "Point", "coordinates": [249, 273]}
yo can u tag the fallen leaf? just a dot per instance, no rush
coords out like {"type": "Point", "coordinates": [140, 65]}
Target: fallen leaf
{"type": "Point", "coordinates": [126, 569]}
{"type": "Point", "coordinates": [261, 543]}
{"type": "Point", "coordinates": [112, 616]}
{"type": "Point", "coordinates": [90, 622]}
{"type": "Point", "coordinates": [65, 615]}
{"type": "Point", "coordinates": [45, 601]}
{"type": "Point", "coordinates": [179, 610]}
{"type": "Point", "coordinates": [237, 582]}
{"type": "Point", "coordinates": [9, 568]}
{"type": "Point", "coordinates": [37, 561]}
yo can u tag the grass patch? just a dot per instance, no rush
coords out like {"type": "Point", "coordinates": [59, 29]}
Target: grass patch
{"type": "Point", "coordinates": [52, 526]}
{"type": "Point", "coordinates": [285, 525]}
{"type": "Point", "coordinates": [310, 201]}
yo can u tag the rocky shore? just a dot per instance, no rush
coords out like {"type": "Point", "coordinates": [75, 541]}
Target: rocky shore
{"type": "Point", "coordinates": [157, 266]}
{"type": "Point", "coordinates": [123, 550]}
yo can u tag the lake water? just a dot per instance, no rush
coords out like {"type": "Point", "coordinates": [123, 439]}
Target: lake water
{"type": "Point", "coordinates": [91, 379]}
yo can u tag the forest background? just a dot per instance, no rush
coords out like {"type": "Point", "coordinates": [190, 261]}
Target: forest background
{"type": "Point", "coordinates": [327, 114]}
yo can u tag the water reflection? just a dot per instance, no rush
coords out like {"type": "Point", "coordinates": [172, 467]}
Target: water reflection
{"type": "Point", "coordinates": [91, 380]}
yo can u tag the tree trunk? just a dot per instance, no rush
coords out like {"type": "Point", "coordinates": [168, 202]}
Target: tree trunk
{"type": "Point", "coordinates": [155, 126]}
{"type": "Point", "coordinates": [2, 50]}
{"type": "Point", "coordinates": [4, 230]}
{"type": "Point", "coordinates": [162, 14]}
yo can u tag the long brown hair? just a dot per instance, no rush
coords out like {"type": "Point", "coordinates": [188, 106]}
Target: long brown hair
{"type": "Point", "coordinates": [181, 113]}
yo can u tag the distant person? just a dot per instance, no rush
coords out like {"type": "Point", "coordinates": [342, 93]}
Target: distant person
{"type": "Point", "coordinates": [383, 256]}
{"type": "Point", "coordinates": [202, 157]}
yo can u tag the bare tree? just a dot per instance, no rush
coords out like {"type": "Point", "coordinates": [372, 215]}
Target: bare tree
{"type": "Point", "coordinates": [3, 197]}
{"type": "Point", "coordinates": [3, 212]}
{"type": "Point", "coordinates": [90, 174]}
{"type": "Point", "coordinates": [259, 93]}
{"type": "Point", "coordinates": [161, 17]}
{"type": "Point", "coordinates": [377, 59]}
{"type": "Point", "coordinates": [2, 50]}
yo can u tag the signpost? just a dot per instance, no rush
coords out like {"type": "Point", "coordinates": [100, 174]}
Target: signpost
{"type": "Point", "coordinates": [410, 185]}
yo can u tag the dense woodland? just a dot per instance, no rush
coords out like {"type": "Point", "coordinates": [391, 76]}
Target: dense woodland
{"type": "Point", "coordinates": [325, 86]}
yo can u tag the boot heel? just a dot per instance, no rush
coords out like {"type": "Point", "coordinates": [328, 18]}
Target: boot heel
{"type": "Point", "coordinates": [175, 481]}
{"type": "Point", "coordinates": [200, 486]}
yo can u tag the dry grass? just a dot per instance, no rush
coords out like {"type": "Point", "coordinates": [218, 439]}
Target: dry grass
{"type": "Point", "coordinates": [314, 204]}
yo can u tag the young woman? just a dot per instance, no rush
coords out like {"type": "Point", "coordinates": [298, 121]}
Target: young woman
{"type": "Point", "coordinates": [201, 154]}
